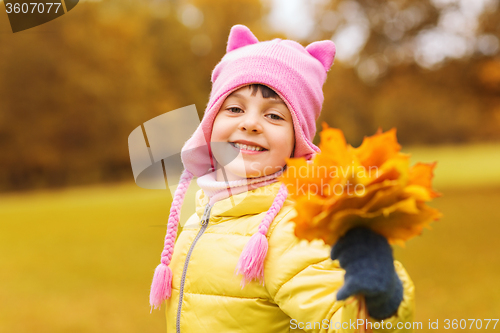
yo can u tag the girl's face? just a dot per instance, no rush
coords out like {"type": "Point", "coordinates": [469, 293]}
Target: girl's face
{"type": "Point", "coordinates": [256, 131]}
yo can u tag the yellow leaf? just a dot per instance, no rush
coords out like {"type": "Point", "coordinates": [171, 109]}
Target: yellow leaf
{"type": "Point", "coordinates": [372, 186]}
{"type": "Point", "coordinates": [377, 149]}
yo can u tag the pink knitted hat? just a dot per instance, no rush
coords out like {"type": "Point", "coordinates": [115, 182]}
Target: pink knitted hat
{"type": "Point", "coordinates": [297, 75]}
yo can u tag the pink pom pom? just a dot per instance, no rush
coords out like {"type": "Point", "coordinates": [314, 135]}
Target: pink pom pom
{"type": "Point", "coordinates": [161, 288]}
{"type": "Point", "coordinates": [251, 262]}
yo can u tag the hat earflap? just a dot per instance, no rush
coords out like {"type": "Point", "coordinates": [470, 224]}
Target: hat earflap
{"type": "Point", "coordinates": [161, 288]}
{"type": "Point", "coordinates": [251, 262]}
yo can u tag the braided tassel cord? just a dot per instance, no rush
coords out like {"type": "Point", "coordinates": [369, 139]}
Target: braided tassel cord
{"type": "Point", "coordinates": [161, 288]}
{"type": "Point", "coordinates": [251, 262]}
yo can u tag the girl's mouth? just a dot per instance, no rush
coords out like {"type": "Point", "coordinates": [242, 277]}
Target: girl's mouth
{"type": "Point", "coordinates": [247, 148]}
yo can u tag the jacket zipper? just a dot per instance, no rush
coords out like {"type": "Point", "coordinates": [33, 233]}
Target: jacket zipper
{"type": "Point", "coordinates": [204, 224]}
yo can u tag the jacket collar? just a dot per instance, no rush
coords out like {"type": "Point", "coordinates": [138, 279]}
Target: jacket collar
{"type": "Point", "coordinates": [247, 203]}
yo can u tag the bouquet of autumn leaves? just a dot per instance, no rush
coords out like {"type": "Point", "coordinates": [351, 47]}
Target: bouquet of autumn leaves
{"type": "Point", "coordinates": [372, 186]}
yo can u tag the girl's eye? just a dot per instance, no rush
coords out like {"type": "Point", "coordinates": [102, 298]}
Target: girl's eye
{"type": "Point", "coordinates": [275, 116]}
{"type": "Point", "coordinates": [235, 110]}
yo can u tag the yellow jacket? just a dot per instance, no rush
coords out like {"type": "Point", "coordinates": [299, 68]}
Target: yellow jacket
{"type": "Point", "coordinates": [300, 279]}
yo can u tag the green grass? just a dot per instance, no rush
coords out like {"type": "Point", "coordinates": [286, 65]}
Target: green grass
{"type": "Point", "coordinates": [81, 259]}
{"type": "Point", "coordinates": [456, 265]}
{"type": "Point", "coordinates": [470, 166]}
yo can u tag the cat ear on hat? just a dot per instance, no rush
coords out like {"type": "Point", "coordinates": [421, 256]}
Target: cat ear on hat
{"type": "Point", "coordinates": [324, 51]}
{"type": "Point", "coordinates": [240, 36]}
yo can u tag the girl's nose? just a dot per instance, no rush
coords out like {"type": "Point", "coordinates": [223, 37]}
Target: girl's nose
{"type": "Point", "coordinates": [250, 123]}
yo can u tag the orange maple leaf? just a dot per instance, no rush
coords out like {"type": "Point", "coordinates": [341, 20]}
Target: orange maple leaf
{"type": "Point", "coordinates": [372, 185]}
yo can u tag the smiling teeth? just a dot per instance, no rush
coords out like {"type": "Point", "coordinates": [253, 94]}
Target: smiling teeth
{"type": "Point", "coordinates": [245, 147]}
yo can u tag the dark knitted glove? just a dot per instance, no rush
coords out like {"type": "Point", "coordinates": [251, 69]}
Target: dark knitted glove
{"type": "Point", "coordinates": [367, 260]}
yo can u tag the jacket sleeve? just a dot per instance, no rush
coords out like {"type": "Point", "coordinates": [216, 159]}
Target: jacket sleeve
{"type": "Point", "coordinates": [303, 281]}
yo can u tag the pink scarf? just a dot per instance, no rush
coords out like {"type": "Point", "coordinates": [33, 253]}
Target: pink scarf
{"type": "Point", "coordinates": [217, 190]}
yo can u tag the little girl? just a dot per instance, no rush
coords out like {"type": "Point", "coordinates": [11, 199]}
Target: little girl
{"type": "Point", "coordinates": [237, 265]}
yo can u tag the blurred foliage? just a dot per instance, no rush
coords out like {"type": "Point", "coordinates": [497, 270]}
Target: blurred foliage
{"type": "Point", "coordinates": [73, 89]}
{"type": "Point", "coordinates": [429, 93]}
{"type": "Point", "coordinates": [395, 32]}
{"type": "Point", "coordinates": [458, 103]}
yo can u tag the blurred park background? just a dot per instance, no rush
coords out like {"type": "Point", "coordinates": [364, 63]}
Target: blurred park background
{"type": "Point", "coordinates": [79, 240]}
